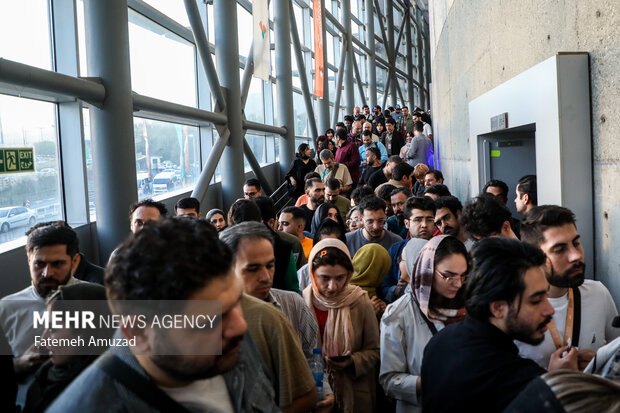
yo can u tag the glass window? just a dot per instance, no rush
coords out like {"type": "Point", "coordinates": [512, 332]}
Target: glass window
{"type": "Point", "coordinates": [90, 174]}
{"type": "Point", "coordinates": [330, 48]}
{"type": "Point", "coordinates": [244, 30]}
{"type": "Point", "coordinates": [294, 69]}
{"type": "Point", "coordinates": [255, 105]}
{"type": "Point", "coordinates": [25, 30]}
{"type": "Point", "coordinates": [173, 9]}
{"type": "Point", "coordinates": [257, 144]}
{"type": "Point", "coordinates": [167, 156]}
{"type": "Point", "coordinates": [301, 116]}
{"type": "Point", "coordinates": [28, 197]}
{"type": "Point", "coordinates": [299, 21]}
{"type": "Point", "coordinates": [168, 74]}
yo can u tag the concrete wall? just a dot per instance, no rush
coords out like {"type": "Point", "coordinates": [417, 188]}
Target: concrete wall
{"type": "Point", "coordinates": [477, 45]}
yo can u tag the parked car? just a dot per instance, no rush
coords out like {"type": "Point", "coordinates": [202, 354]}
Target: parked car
{"type": "Point", "coordinates": [163, 182]}
{"type": "Point", "coordinates": [13, 217]}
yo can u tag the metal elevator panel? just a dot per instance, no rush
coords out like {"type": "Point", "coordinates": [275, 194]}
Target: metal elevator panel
{"type": "Point", "coordinates": [508, 156]}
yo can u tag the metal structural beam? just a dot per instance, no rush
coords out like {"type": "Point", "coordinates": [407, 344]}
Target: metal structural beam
{"type": "Point", "coordinates": [370, 60]}
{"type": "Point", "coordinates": [386, 43]}
{"type": "Point", "coordinates": [389, 7]}
{"type": "Point", "coordinates": [261, 127]}
{"type": "Point", "coordinates": [227, 55]}
{"type": "Point", "coordinates": [419, 49]}
{"type": "Point", "coordinates": [349, 91]}
{"type": "Point", "coordinates": [246, 81]}
{"type": "Point", "coordinates": [249, 155]}
{"type": "Point", "coordinates": [181, 112]}
{"type": "Point", "coordinates": [284, 81]}
{"type": "Point", "coordinates": [202, 46]}
{"type": "Point", "coordinates": [343, 57]}
{"type": "Point", "coordinates": [208, 170]}
{"type": "Point", "coordinates": [114, 158]}
{"type": "Point", "coordinates": [323, 103]}
{"type": "Point", "coordinates": [19, 74]}
{"type": "Point", "coordinates": [303, 78]}
{"type": "Point", "coordinates": [360, 86]}
{"type": "Point", "coordinates": [409, 61]}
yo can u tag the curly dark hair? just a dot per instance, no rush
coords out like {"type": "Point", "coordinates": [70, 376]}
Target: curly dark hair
{"type": "Point", "coordinates": [168, 259]}
{"type": "Point", "coordinates": [484, 215]}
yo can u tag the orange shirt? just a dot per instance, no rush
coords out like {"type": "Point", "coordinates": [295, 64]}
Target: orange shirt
{"type": "Point", "coordinates": [302, 200]}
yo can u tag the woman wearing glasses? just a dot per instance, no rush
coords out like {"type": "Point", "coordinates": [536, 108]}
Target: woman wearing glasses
{"type": "Point", "coordinates": [434, 301]}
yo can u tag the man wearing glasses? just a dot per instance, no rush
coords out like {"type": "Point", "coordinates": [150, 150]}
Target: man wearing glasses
{"type": "Point", "coordinates": [373, 231]}
{"type": "Point", "coordinates": [419, 215]}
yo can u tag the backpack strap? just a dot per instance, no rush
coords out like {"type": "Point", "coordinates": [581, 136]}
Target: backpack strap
{"type": "Point", "coordinates": [142, 387]}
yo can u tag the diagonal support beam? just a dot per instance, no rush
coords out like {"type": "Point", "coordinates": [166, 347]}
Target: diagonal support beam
{"type": "Point", "coordinates": [303, 78]}
{"type": "Point", "coordinates": [202, 45]}
{"type": "Point", "coordinates": [343, 52]}
{"type": "Point", "coordinates": [246, 80]}
{"type": "Point", "coordinates": [249, 155]}
{"type": "Point", "coordinates": [206, 176]}
{"type": "Point", "coordinates": [387, 87]}
{"type": "Point", "coordinates": [386, 44]}
{"type": "Point", "coordinates": [400, 36]}
{"type": "Point", "coordinates": [360, 86]}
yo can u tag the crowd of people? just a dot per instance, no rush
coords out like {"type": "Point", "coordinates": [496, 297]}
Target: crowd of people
{"type": "Point", "coordinates": [413, 299]}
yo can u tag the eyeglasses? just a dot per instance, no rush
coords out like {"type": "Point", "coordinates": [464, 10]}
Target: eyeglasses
{"type": "Point", "coordinates": [462, 277]}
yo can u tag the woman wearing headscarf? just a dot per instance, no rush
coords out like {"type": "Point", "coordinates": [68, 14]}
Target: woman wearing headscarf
{"type": "Point", "coordinates": [370, 265]}
{"type": "Point", "coordinates": [217, 218]}
{"type": "Point", "coordinates": [326, 210]}
{"type": "Point", "coordinates": [347, 324]}
{"type": "Point", "coordinates": [434, 301]}
{"type": "Point", "coordinates": [64, 365]}
{"type": "Point", "coordinates": [300, 167]}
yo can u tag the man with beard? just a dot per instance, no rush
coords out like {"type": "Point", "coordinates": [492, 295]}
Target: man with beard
{"type": "Point", "coordinates": [52, 252]}
{"type": "Point", "coordinates": [584, 309]}
{"type": "Point", "coordinates": [278, 320]}
{"type": "Point", "coordinates": [447, 215]}
{"type": "Point", "coordinates": [396, 223]}
{"type": "Point", "coordinates": [315, 189]}
{"type": "Point", "coordinates": [374, 217]}
{"type": "Point", "coordinates": [174, 369]}
{"type": "Point", "coordinates": [477, 360]}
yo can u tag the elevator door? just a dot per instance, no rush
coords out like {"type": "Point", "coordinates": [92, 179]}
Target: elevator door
{"type": "Point", "coordinates": [509, 155]}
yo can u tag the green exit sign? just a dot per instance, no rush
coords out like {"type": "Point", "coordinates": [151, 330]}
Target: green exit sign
{"type": "Point", "coordinates": [15, 160]}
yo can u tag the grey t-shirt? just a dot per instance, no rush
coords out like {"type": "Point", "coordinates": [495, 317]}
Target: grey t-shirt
{"type": "Point", "coordinates": [356, 240]}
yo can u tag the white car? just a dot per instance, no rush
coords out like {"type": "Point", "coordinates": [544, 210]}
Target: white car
{"type": "Point", "coordinates": [13, 217]}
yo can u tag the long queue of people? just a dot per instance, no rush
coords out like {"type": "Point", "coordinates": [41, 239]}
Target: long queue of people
{"type": "Point", "coordinates": [378, 291]}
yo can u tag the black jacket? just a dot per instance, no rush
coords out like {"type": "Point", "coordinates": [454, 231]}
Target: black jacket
{"type": "Point", "coordinates": [473, 367]}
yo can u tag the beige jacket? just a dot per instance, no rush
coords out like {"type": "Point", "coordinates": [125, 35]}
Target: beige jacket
{"type": "Point", "coordinates": [359, 379]}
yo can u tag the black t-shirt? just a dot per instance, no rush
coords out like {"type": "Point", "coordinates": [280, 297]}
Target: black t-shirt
{"type": "Point", "coordinates": [376, 179]}
{"type": "Point", "coordinates": [478, 364]}
{"type": "Point", "coordinates": [309, 216]}
{"type": "Point", "coordinates": [368, 171]}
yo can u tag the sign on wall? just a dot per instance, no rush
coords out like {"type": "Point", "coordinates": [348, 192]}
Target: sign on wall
{"type": "Point", "coordinates": [14, 160]}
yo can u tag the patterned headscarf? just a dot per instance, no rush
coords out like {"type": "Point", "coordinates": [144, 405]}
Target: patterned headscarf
{"type": "Point", "coordinates": [338, 328]}
{"type": "Point", "coordinates": [370, 265]}
{"type": "Point", "coordinates": [422, 283]}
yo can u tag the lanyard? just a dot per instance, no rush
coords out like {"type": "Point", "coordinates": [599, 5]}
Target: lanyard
{"type": "Point", "coordinates": [568, 328]}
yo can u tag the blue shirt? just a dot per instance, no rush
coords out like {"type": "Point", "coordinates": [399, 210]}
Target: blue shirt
{"type": "Point", "coordinates": [384, 154]}
{"type": "Point", "coordinates": [385, 291]}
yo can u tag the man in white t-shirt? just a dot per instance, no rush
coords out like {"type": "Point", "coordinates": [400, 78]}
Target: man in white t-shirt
{"type": "Point", "coordinates": [584, 309]}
